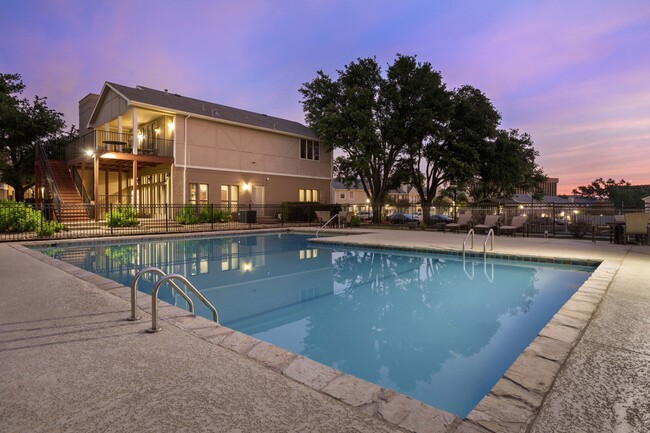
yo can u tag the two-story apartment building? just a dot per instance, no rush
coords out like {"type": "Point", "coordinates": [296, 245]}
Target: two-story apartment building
{"type": "Point", "coordinates": [144, 146]}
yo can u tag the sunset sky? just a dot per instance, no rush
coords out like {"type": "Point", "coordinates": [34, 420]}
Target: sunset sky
{"type": "Point", "coordinates": [573, 74]}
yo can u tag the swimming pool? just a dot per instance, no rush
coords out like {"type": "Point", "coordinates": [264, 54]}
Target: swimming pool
{"type": "Point", "coordinates": [430, 326]}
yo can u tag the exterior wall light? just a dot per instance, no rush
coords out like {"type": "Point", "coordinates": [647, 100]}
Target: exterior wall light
{"type": "Point", "coordinates": [247, 186]}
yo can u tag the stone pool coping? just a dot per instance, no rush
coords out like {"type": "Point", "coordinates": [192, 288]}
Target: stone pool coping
{"type": "Point", "coordinates": [511, 405]}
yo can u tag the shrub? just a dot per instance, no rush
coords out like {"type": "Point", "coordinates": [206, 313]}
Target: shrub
{"type": "Point", "coordinates": [579, 229]}
{"type": "Point", "coordinates": [17, 217]}
{"type": "Point", "coordinates": [122, 216]}
{"type": "Point", "coordinates": [187, 215]}
{"type": "Point", "coordinates": [48, 228]}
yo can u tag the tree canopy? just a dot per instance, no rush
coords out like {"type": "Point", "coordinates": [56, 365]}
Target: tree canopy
{"type": "Point", "coordinates": [23, 124]}
{"type": "Point", "coordinates": [619, 192]}
{"type": "Point", "coordinates": [407, 127]}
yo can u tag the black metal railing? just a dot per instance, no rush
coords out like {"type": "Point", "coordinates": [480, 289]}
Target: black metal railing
{"type": "Point", "coordinates": [110, 141]}
{"type": "Point", "coordinates": [116, 219]}
{"type": "Point", "coordinates": [49, 178]}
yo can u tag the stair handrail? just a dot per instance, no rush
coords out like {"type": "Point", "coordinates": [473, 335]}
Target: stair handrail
{"type": "Point", "coordinates": [469, 232]}
{"type": "Point", "coordinates": [134, 290]}
{"type": "Point", "coordinates": [154, 300]}
{"type": "Point", "coordinates": [49, 177]}
{"type": "Point", "coordinates": [328, 221]}
{"type": "Point", "coordinates": [85, 198]}
{"type": "Point", "coordinates": [490, 236]}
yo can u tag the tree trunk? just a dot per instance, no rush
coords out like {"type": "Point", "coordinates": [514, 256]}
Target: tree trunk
{"type": "Point", "coordinates": [19, 193]}
{"type": "Point", "coordinates": [426, 213]}
{"type": "Point", "coordinates": [376, 212]}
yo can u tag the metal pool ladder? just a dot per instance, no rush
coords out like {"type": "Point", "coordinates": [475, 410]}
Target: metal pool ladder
{"type": "Point", "coordinates": [166, 278]}
{"type": "Point", "coordinates": [329, 221]}
{"type": "Point", "coordinates": [470, 232]}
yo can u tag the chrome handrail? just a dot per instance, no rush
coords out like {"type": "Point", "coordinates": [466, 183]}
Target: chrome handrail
{"type": "Point", "coordinates": [328, 221]}
{"type": "Point", "coordinates": [134, 291]}
{"type": "Point", "coordinates": [469, 232]}
{"type": "Point", "coordinates": [489, 236]}
{"type": "Point", "coordinates": [154, 299]}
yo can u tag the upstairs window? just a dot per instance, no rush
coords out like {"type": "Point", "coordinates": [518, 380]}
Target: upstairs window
{"type": "Point", "coordinates": [309, 149]}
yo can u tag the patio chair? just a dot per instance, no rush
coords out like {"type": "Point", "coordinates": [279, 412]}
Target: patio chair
{"type": "Point", "coordinates": [322, 216]}
{"type": "Point", "coordinates": [491, 222]}
{"type": "Point", "coordinates": [636, 224]}
{"type": "Point", "coordinates": [464, 220]}
{"type": "Point", "coordinates": [518, 223]}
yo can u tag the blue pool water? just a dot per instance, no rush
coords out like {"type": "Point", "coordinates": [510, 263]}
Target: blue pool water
{"type": "Point", "coordinates": [430, 326]}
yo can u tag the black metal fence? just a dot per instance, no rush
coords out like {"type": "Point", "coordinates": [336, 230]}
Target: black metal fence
{"type": "Point", "coordinates": [543, 219]}
{"type": "Point", "coordinates": [45, 221]}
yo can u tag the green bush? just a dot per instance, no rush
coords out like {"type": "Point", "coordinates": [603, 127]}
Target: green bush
{"type": "Point", "coordinates": [17, 217]}
{"type": "Point", "coordinates": [579, 229]}
{"type": "Point", "coordinates": [304, 211]}
{"type": "Point", "coordinates": [355, 221]}
{"type": "Point", "coordinates": [187, 215]}
{"type": "Point", "coordinates": [122, 216]}
{"type": "Point", "coordinates": [211, 215]}
{"type": "Point", "coordinates": [48, 228]}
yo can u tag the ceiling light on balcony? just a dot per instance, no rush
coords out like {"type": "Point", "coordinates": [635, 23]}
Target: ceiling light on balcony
{"type": "Point", "coordinates": [90, 152]}
{"type": "Point", "coordinates": [170, 126]}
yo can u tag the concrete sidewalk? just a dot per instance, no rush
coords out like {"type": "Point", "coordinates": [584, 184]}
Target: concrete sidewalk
{"type": "Point", "coordinates": [70, 362]}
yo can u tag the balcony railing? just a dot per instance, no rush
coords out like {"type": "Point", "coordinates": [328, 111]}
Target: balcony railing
{"type": "Point", "coordinates": [108, 141]}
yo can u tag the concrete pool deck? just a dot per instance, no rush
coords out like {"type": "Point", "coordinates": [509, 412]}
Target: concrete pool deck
{"type": "Point", "coordinates": [70, 362]}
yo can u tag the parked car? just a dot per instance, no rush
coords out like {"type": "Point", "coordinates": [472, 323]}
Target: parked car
{"type": "Point", "coordinates": [548, 221]}
{"type": "Point", "coordinates": [401, 218]}
{"type": "Point", "coordinates": [365, 215]}
{"type": "Point", "coordinates": [439, 218]}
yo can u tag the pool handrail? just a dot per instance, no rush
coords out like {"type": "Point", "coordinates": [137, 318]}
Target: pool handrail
{"type": "Point", "coordinates": [154, 299]}
{"type": "Point", "coordinates": [490, 236]}
{"type": "Point", "coordinates": [328, 221]}
{"type": "Point", "coordinates": [469, 232]}
{"type": "Point", "coordinates": [134, 290]}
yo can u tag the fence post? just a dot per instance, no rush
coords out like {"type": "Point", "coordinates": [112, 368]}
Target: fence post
{"type": "Point", "coordinates": [553, 218]}
{"type": "Point", "coordinates": [250, 218]}
{"type": "Point", "coordinates": [110, 212]}
{"type": "Point", "coordinates": [40, 232]}
{"type": "Point", "coordinates": [211, 216]}
{"type": "Point", "coordinates": [167, 217]}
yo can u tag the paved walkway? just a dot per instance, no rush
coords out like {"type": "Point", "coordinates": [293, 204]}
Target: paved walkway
{"type": "Point", "coordinates": [69, 362]}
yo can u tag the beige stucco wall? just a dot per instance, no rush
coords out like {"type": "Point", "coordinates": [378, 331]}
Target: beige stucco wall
{"type": "Point", "coordinates": [113, 105]}
{"type": "Point", "coordinates": [213, 145]}
{"type": "Point", "coordinates": [359, 196]}
{"type": "Point", "coordinates": [277, 188]}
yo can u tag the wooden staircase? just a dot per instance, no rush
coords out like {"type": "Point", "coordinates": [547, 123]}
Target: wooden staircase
{"type": "Point", "coordinates": [72, 209]}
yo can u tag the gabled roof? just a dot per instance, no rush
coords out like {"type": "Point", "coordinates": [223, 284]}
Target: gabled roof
{"type": "Point", "coordinates": [340, 185]}
{"type": "Point", "coordinates": [141, 95]}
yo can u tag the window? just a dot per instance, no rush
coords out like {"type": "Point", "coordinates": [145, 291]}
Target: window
{"type": "Point", "coordinates": [307, 195]}
{"type": "Point", "coordinates": [342, 195]}
{"type": "Point", "coordinates": [199, 193]}
{"type": "Point", "coordinates": [230, 197]}
{"type": "Point", "coordinates": [351, 194]}
{"type": "Point", "coordinates": [309, 149]}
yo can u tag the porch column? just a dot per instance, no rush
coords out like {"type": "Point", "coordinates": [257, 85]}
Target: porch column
{"type": "Point", "coordinates": [135, 184]}
{"type": "Point", "coordinates": [96, 184]}
{"type": "Point", "coordinates": [119, 126]}
{"type": "Point", "coordinates": [135, 131]}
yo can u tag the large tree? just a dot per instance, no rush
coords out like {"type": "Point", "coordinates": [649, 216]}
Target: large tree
{"type": "Point", "coordinates": [350, 114]}
{"type": "Point", "coordinates": [23, 124]}
{"type": "Point", "coordinates": [599, 188]}
{"type": "Point", "coordinates": [418, 108]}
{"type": "Point", "coordinates": [507, 163]}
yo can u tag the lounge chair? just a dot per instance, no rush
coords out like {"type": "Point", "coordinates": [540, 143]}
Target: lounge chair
{"type": "Point", "coordinates": [322, 216]}
{"type": "Point", "coordinates": [518, 223]}
{"type": "Point", "coordinates": [464, 220]}
{"type": "Point", "coordinates": [491, 222]}
{"type": "Point", "coordinates": [636, 224]}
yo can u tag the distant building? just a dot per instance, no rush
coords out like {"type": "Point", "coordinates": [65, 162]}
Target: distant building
{"type": "Point", "coordinates": [549, 187]}
{"type": "Point", "coordinates": [6, 192]}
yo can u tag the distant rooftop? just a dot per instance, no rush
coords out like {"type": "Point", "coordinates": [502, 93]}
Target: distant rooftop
{"type": "Point", "coordinates": [184, 104]}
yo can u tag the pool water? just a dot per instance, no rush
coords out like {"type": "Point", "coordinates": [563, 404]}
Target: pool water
{"type": "Point", "coordinates": [434, 327]}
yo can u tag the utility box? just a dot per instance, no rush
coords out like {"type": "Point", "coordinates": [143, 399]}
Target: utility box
{"type": "Point", "coordinates": [248, 216]}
